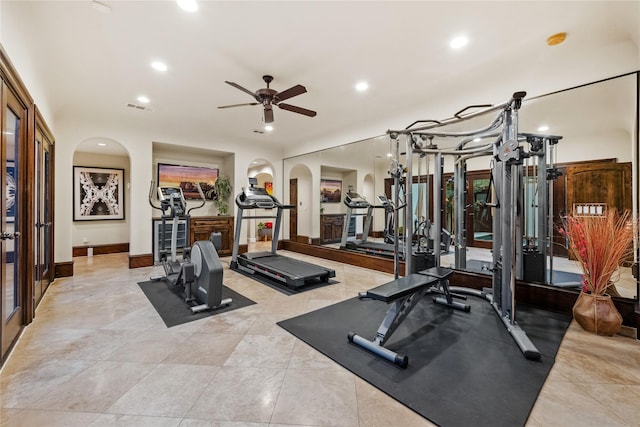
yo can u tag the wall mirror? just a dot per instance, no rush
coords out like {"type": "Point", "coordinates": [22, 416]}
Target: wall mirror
{"type": "Point", "coordinates": [598, 125]}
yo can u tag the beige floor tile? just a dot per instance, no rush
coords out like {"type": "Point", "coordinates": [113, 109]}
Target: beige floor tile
{"type": "Point", "coordinates": [189, 422]}
{"type": "Point", "coordinates": [33, 418]}
{"type": "Point", "coordinates": [325, 398]}
{"type": "Point", "coordinates": [149, 347]}
{"type": "Point", "coordinates": [112, 420]}
{"type": "Point", "coordinates": [375, 409]}
{"type": "Point", "coordinates": [265, 324]}
{"type": "Point", "coordinates": [236, 322]}
{"type": "Point", "coordinates": [168, 390]}
{"type": "Point", "coordinates": [26, 380]}
{"type": "Point", "coordinates": [262, 351]}
{"type": "Point", "coordinates": [95, 388]}
{"type": "Point", "coordinates": [204, 349]}
{"type": "Point", "coordinates": [306, 357]}
{"type": "Point", "coordinates": [239, 394]}
{"type": "Point", "coordinates": [564, 404]}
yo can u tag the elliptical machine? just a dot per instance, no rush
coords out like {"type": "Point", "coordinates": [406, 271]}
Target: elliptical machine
{"type": "Point", "coordinates": [200, 272]}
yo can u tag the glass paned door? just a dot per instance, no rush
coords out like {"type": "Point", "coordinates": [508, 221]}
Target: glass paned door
{"type": "Point", "coordinates": [43, 218]}
{"type": "Point", "coordinates": [13, 132]}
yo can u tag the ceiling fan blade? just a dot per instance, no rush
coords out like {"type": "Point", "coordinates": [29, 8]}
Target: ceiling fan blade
{"type": "Point", "coordinates": [298, 110]}
{"type": "Point", "coordinates": [247, 91]}
{"type": "Point", "coordinates": [268, 115]}
{"type": "Point", "coordinates": [291, 92]}
{"type": "Point", "coordinates": [239, 105]}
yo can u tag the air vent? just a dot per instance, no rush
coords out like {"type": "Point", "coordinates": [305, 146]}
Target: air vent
{"type": "Point", "coordinates": [139, 107]}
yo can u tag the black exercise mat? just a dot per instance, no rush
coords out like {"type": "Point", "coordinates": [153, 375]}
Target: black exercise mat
{"type": "Point", "coordinates": [283, 288]}
{"type": "Point", "coordinates": [170, 305]}
{"type": "Point", "coordinates": [464, 368]}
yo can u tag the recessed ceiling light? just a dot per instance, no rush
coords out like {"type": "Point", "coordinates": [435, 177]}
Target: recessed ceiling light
{"type": "Point", "coordinates": [389, 155]}
{"type": "Point", "coordinates": [188, 5]}
{"type": "Point", "coordinates": [102, 144]}
{"type": "Point", "coordinates": [362, 86]}
{"type": "Point", "coordinates": [268, 128]}
{"type": "Point", "coordinates": [143, 99]}
{"type": "Point", "coordinates": [159, 66]}
{"type": "Point", "coordinates": [543, 128]}
{"type": "Point", "coordinates": [458, 42]}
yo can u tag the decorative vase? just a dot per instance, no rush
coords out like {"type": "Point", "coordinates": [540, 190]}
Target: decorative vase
{"type": "Point", "coordinates": [597, 314]}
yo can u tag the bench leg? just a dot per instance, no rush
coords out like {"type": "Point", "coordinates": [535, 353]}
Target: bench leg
{"type": "Point", "coordinates": [398, 311]}
{"type": "Point", "coordinates": [447, 299]}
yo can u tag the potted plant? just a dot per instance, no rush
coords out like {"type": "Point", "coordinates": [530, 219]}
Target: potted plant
{"type": "Point", "coordinates": [223, 190]}
{"type": "Point", "coordinates": [599, 244]}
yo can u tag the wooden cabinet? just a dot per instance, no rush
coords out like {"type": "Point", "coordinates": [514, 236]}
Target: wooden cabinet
{"type": "Point", "coordinates": [331, 228]}
{"type": "Point", "coordinates": [202, 227]}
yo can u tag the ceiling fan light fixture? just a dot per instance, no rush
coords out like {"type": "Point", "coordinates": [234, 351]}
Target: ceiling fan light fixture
{"type": "Point", "coordinates": [268, 97]}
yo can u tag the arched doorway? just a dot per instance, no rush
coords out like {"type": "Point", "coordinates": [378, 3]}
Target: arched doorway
{"type": "Point", "coordinates": [105, 222]}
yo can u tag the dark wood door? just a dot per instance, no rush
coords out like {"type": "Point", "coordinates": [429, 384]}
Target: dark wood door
{"type": "Point", "coordinates": [608, 183]}
{"type": "Point", "coordinates": [293, 212]}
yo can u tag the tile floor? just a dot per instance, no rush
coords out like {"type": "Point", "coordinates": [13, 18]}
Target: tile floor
{"type": "Point", "coordinates": [98, 354]}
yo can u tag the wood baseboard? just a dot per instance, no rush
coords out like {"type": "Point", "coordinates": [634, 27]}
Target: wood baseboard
{"type": "Point", "coordinates": [143, 260]}
{"type": "Point", "coordinates": [302, 239]}
{"type": "Point", "coordinates": [111, 248]}
{"type": "Point", "coordinates": [63, 269]}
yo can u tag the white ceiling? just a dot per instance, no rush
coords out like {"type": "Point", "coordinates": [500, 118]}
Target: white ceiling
{"type": "Point", "coordinates": [89, 65]}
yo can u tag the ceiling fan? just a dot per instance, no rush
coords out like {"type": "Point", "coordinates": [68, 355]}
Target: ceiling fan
{"type": "Point", "coordinates": [268, 97]}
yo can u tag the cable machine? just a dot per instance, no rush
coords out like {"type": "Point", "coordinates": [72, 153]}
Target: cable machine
{"type": "Point", "coordinates": [507, 159]}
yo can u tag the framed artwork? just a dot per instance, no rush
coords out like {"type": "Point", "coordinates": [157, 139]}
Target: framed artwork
{"type": "Point", "coordinates": [268, 186]}
{"type": "Point", "coordinates": [186, 177]}
{"type": "Point", "coordinates": [11, 191]}
{"type": "Point", "coordinates": [330, 190]}
{"type": "Point", "coordinates": [98, 193]}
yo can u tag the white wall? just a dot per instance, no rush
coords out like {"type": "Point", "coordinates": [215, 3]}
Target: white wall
{"type": "Point", "coordinates": [139, 142]}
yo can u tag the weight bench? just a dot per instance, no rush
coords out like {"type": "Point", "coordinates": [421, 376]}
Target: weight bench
{"type": "Point", "coordinates": [403, 294]}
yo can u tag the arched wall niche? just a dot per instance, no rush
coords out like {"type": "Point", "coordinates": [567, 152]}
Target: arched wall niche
{"type": "Point", "coordinates": [263, 171]}
{"type": "Point", "coordinates": [102, 153]}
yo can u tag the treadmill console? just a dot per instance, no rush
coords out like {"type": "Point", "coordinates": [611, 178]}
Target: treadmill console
{"type": "Point", "coordinates": [256, 198]}
{"type": "Point", "coordinates": [354, 200]}
{"type": "Point", "coordinates": [384, 201]}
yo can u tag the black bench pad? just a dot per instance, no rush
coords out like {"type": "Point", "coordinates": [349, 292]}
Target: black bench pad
{"type": "Point", "coordinates": [401, 287]}
{"type": "Point", "coordinates": [437, 272]}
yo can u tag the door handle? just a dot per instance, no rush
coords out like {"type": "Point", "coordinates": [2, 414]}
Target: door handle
{"type": "Point", "coordinates": [9, 236]}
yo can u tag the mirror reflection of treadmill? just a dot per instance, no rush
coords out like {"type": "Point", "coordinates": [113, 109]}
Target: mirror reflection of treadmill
{"type": "Point", "coordinates": [289, 271]}
{"type": "Point", "coordinates": [356, 204]}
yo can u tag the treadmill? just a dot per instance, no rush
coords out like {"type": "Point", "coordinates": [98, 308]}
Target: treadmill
{"type": "Point", "coordinates": [291, 272]}
{"type": "Point", "coordinates": [355, 202]}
